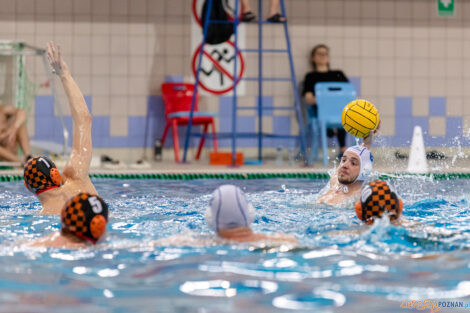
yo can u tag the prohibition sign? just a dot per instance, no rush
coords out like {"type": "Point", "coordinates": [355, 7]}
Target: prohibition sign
{"type": "Point", "coordinates": [197, 16]}
{"type": "Point", "coordinates": [211, 64]}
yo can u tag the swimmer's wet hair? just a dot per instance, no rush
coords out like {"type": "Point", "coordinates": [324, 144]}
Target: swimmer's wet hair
{"type": "Point", "coordinates": [377, 199]}
{"type": "Point", "coordinates": [85, 216]}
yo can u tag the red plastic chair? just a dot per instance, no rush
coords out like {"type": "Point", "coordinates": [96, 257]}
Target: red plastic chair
{"type": "Point", "coordinates": [177, 99]}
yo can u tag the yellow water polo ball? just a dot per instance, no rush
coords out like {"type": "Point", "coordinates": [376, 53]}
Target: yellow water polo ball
{"type": "Point", "coordinates": [360, 117]}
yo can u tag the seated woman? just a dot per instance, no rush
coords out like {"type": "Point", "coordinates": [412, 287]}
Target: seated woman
{"type": "Point", "coordinates": [13, 134]}
{"type": "Point", "coordinates": [322, 73]}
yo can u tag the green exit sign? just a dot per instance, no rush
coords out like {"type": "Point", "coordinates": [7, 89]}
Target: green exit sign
{"type": "Point", "coordinates": [445, 7]}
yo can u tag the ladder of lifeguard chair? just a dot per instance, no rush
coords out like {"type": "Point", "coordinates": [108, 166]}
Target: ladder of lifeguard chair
{"type": "Point", "coordinates": [260, 79]}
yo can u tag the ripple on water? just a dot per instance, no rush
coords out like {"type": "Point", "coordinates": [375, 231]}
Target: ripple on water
{"type": "Point", "coordinates": [340, 262]}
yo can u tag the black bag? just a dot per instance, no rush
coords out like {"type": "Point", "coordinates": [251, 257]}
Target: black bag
{"type": "Point", "coordinates": [216, 32]}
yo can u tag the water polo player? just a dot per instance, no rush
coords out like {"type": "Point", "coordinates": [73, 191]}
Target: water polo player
{"type": "Point", "coordinates": [345, 184]}
{"type": "Point", "coordinates": [230, 215]}
{"type": "Point", "coordinates": [361, 119]}
{"type": "Point", "coordinates": [83, 221]}
{"type": "Point", "coordinates": [40, 174]}
{"type": "Point", "coordinates": [378, 199]}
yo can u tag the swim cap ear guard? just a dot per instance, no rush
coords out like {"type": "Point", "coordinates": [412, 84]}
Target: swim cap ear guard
{"type": "Point", "coordinates": [229, 208]}
{"type": "Point", "coordinates": [41, 174]}
{"type": "Point", "coordinates": [85, 216]}
{"type": "Point", "coordinates": [378, 198]}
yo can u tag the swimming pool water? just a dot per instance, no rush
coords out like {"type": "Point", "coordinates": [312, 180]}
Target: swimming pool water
{"type": "Point", "coordinates": [336, 268]}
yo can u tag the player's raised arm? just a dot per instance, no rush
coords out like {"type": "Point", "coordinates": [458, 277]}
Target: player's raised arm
{"type": "Point", "coordinates": [78, 164]}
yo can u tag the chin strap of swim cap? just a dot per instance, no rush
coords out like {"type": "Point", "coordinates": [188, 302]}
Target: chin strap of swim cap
{"type": "Point", "coordinates": [343, 188]}
{"type": "Point", "coordinates": [366, 159]}
{"type": "Point", "coordinates": [378, 198]}
{"type": "Point", "coordinates": [85, 216]}
{"type": "Point", "coordinates": [41, 174]}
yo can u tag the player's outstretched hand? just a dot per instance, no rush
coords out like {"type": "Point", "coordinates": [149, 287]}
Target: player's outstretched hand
{"type": "Point", "coordinates": [54, 55]}
{"type": "Point", "coordinates": [367, 141]}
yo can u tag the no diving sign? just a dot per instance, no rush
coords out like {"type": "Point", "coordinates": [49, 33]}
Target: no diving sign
{"type": "Point", "coordinates": [217, 67]}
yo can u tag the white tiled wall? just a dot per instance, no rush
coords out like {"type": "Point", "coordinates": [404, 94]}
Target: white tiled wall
{"type": "Point", "coordinates": [121, 50]}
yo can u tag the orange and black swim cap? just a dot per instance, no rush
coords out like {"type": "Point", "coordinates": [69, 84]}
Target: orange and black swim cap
{"type": "Point", "coordinates": [378, 198]}
{"type": "Point", "coordinates": [41, 174]}
{"type": "Point", "coordinates": [85, 216]}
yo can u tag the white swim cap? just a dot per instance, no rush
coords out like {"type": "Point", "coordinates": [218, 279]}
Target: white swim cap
{"type": "Point", "coordinates": [366, 158]}
{"type": "Point", "coordinates": [229, 209]}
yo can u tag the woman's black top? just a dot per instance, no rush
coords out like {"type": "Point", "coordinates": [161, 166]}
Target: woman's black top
{"type": "Point", "coordinates": [314, 77]}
